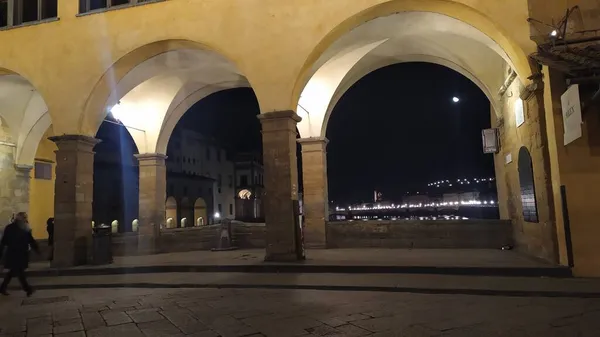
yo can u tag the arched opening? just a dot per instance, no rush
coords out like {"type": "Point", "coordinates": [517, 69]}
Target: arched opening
{"type": "Point", "coordinates": [186, 211]}
{"type": "Point", "coordinates": [214, 150]}
{"type": "Point", "coordinates": [418, 149]}
{"type": "Point", "coordinates": [27, 157]}
{"type": "Point", "coordinates": [413, 139]}
{"type": "Point", "coordinates": [116, 177]}
{"type": "Point", "coordinates": [171, 212]}
{"type": "Point", "coordinates": [200, 212]}
{"type": "Point", "coordinates": [527, 186]}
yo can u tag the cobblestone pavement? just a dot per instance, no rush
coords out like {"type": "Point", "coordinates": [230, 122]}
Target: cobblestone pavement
{"type": "Point", "coordinates": [280, 313]}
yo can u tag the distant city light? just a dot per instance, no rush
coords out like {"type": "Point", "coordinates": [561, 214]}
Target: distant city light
{"type": "Point", "coordinates": [455, 99]}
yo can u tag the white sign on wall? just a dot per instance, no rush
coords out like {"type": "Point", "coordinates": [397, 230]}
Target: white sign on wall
{"type": "Point", "coordinates": [490, 141]}
{"type": "Point", "coordinates": [571, 111]}
{"type": "Point", "coordinates": [519, 113]}
{"type": "Point", "coordinates": [508, 159]}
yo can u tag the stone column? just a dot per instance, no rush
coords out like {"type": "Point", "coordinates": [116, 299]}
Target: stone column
{"type": "Point", "coordinates": [315, 195]}
{"type": "Point", "coordinates": [153, 196]}
{"type": "Point", "coordinates": [73, 194]}
{"type": "Point", "coordinates": [281, 185]}
{"type": "Point", "coordinates": [21, 187]}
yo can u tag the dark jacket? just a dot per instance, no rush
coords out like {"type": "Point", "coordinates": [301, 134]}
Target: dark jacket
{"type": "Point", "coordinates": [50, 230]}
{"type": "Point", "coordinates": [17, 240]}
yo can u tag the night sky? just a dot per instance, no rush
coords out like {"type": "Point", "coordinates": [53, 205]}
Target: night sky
{"type": "Point", "coordinates": [395, 130]}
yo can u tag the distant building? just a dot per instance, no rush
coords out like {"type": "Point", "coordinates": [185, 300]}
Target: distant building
{"type": "Point", "coordinates": [200, 180]}
{"type": "Point", "coordinates": [249, 186]}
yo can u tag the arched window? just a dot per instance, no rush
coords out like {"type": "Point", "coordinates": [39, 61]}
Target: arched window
{"type": "Point", "coordinates": [527, 184]}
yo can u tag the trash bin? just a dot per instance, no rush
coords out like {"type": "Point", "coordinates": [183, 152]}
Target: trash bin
{"type": "Point", "coordinates": [102, 250]}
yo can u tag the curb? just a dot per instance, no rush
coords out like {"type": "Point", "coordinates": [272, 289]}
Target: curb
{"type": "Point", "coordinates": [430, 291]}
{"type": "Point", "coordinates": [555, 272]}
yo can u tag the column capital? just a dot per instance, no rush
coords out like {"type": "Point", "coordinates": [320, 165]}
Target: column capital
{"type": "Point", "coordinates": [274, 115]}
{"type": "Point", "coordinates": [313, 144]}
{"type": "Point", "coordinates": [66, 142]}
{"type": "Point", "coordinates": [313, 140]}
{"type": "Point", "coordinates": [23, 168]}
{"type": "Point", "coordinates": [156, 157]}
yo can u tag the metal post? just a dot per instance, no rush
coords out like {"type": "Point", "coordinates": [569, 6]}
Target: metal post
{"type": "Point", "coordinates": [567, 226]}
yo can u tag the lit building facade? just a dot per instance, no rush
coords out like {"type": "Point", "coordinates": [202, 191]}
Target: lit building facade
{"type": "Point", "coordinates": [200, 180]}
{"type": "Point", "coordinates": [249, 175]}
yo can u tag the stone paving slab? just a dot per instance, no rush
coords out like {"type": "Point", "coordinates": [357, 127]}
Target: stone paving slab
{"type": "Point", "coordinates": [281, 313]}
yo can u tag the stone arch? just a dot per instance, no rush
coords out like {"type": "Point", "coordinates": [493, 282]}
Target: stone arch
{"type": "Point", "coordinates": [408, 35]}
{"type": "Point", "coordinates": [25, 112]}
{"type": "Point", "coordinates": [200, 212]}
{"type": "Point", "coordinates": [527, 186]}
{"type": "Point", "coordinates": [150, 80]}
{"type": "Point", "coordinates": [186, 212]}
{"type": "Point", "coordinates": [459, 11]}
{"type": "Point", "coordinates": [353, 77]}
{"type": "Point", "coordinates": [182, 103]}
{"type": "Point", "coordinates": [171, 211]}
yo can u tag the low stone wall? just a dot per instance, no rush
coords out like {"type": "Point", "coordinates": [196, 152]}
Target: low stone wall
{"type": "Point", "coordinates": [344, 234]}
{"type": "Point", "coordinates": [419, 234]}
{"type": "Point", "coordinates": [245, 235]}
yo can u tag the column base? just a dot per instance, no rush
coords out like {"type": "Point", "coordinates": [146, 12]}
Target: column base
{"type": "Point", "coordinates": [315, 245]}
{"type": "Point", "coordinates": [282, 257]}
{"type": "Point", "coordinates": [147, 244]}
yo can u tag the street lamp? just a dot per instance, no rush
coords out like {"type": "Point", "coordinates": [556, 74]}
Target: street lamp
{"type": "Point", "coordinates": [455, 99]}
{"type": "Point", "coordinates": [117, 111]}
{"type": "Point", "coordinates": [217, 215]}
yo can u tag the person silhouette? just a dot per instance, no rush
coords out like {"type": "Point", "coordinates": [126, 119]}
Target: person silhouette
{"type": "Point", "coordinates": [17, 240]}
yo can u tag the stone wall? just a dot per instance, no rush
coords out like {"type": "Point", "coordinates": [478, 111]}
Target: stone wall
{"type": "Point", "coordinates": [491, 234]}
{"type": "Point", "coordinates": [14, 181]}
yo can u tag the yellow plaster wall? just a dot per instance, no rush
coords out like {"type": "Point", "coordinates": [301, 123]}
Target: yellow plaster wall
{"type": "Point", "coordinates": [41, 192]}
{"type": "Point", "coordinates": [578, 169]}
{"type": "Point", "coordinates": [538, 239]}
{"type": "Point", "coordinates": [273, 42]}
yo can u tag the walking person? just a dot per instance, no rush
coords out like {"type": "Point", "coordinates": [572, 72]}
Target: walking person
{"type": "Point", "coordinates": [50, 230]}
{"type": "Point", "coordinates": [17, 240]}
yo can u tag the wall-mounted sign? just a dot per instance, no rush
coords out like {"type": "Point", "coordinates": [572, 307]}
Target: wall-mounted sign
{"type": "Point", "coordinates": [508, 159]}
{"type": "Point", "coordinates": [491, 140]}
{"type": "Point", "coordinates": [571, 110]}
{"type": "Point", "coordinates": [519, 113]}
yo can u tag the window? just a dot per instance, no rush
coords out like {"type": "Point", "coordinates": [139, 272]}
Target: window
{"type": "Point", "coordinates": [185, 191]}
{"type": "Point", "coordinates": [200, 191]}
{"type": "Point", "coordinates": [230, 209]}
{"type": "Point", "coordinates": [243, 180]}
{"type": "Point", "coordinates": [18, 12]}
{"type": "Point", "coordinates": [91, 5]}
{"type": "Point", "coordinates": [208, 153]}
{"type": "Point", "coordinates": [527, 186]}
{"type": "Point", "coordinates": [220, 208]}
{"type": "Point", "coordinates": [43, 171]}
{"type": "Point", "coordinates": [171, 189]}
{"type": "Point", "coordinates": [218, 155]}
{"type": "Point", "coordinates": [230, 181]}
